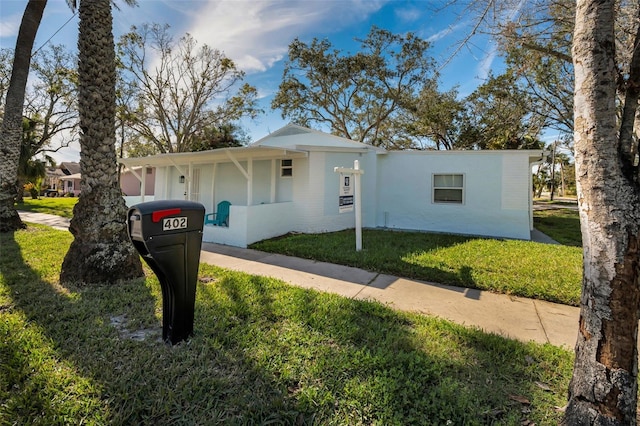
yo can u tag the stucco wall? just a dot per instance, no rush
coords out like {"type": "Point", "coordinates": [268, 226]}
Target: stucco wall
{"type": "Point", "coordinates": [495, 193]}
{"type": "Point", "coordinates": [316, 190]}
{"type": "Point", "coordinates": [397, 191]}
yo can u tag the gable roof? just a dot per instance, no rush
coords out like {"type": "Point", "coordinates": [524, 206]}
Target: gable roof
{"type": "Point", "coordinates": [70, 168]}
{"type": "Point", "coordinates": [305, 139]}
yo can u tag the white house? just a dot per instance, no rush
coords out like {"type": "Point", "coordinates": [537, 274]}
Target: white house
{"type": "Point", "coordinates": [285, 182]}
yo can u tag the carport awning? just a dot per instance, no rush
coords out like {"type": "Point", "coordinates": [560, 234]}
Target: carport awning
{"type": "Point", "coordinates": [221, 155]}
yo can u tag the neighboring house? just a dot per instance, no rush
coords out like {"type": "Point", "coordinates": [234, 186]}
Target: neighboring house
{"type": "Point", "coordinates": [71, 184]}
{"type": "Point", "coordinates": [63, 179]}
{"type": "Point", "coordinates": [132, 184]}
{"type": "Point", "coordinates": [285, 182]}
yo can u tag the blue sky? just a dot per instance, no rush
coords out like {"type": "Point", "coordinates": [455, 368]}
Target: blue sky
{"type": "Point", "coordinates": [256, 34]}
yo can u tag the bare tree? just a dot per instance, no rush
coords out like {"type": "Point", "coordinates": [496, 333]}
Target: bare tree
{"type": "Point", "coordinates": [52, 102]}
{"type": "Point", "coordinates": [50, 111]}
{"type": "Point", "coordinates": [181, 88]}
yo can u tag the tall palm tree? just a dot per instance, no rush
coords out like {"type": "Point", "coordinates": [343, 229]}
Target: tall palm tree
{"type": "Point", "coordinates": [11, 133]}
{"type": "Point", "coordinates": [101, 251]}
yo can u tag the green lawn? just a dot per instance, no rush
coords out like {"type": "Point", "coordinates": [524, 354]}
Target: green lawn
{"type": "Point", "coordinates": [561, 224]}
{"type": "Point", "coordinates": [263, 353]}
{"type": "Point", "coordinates": [522, 268]}
{"type": "Point", "coordinates": [60, 206]}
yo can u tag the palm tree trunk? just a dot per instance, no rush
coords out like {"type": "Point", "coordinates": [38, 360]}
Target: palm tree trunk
{"type": "Point", "coordinates": [101, 251]}
{"type": "Point", "coordinates": [11, 133]}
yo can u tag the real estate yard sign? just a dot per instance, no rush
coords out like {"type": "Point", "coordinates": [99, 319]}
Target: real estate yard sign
{"type": "Point", "coordinates": [350, 196]}
{"type": "Point", "coordinates": [345, 199]}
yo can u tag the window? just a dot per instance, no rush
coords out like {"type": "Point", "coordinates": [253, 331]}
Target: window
{"type": "Point", "coordinates": [286, 168]}
{"type": "Point", "coordinates": [448, 188]}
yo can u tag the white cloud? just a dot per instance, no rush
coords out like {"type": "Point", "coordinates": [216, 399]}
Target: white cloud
{"type": "Point", "coordinates": [512, 12]}
{"type": "Point", "coordinates": [9, 26]}
{"type": "Point", "coordinates": [486, 64]}
{"type": "Point", "coordinates": [447, 31]}
{"type": "Point", "coordinates": [409, 14]}
{"type": "Point", "coordinates": [256, 34]}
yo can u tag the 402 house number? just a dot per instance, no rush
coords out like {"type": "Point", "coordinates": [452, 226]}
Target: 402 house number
{"type": "Point", "coordinates": [171, 223]}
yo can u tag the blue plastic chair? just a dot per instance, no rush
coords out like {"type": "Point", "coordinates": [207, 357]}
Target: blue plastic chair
{"type": "Point", "coordinates": [220, 217]}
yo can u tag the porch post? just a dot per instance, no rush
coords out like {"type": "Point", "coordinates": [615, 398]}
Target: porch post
{"type": "Point", "coordinates": [250, 181]}
{"type": "Point", "coordinates": [273, 181]}
{"type": "Point", "coordinates": [143, 183]}
{"type": "Point", "coordinates": [213, 185]}
{"type": "Point", "coordinates": [190, 176]}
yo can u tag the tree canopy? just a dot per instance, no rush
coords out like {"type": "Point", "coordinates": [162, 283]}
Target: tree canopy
{"type": "Point", "coordinates": [361, 96]}
{"type": "Point", "coordinates": [499, 116]}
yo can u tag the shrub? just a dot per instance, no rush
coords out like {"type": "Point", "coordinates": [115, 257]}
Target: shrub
{"type": "Point", "coordinates": [31, 188]}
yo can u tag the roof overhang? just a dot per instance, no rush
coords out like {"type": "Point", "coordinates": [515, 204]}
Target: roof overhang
{"type": "Point", "coordinates": [344, 149]}
{"type": "Point", "coordinates": [534, 155]}
{"type": "Point", "coordinates": [537, 157]}
{"type": "Point", "coordinates": [71, 177]}
{"type": "Point", "coordinates": [220, 155]}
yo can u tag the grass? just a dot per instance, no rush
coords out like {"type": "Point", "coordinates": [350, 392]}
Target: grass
{"type": "Point", "coordinates": [263, 353]}
{"type": "Point", "coordinates": [522, 268]}
{"type": "Point", "coordinates": [59, 206]}
{"type": "Point", "coordinates": [563, 225]}
{"type": "Point", "coordinates": [527, 269]}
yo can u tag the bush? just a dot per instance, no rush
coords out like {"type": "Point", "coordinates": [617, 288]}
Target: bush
{"type": "Point", "coordinates": [31, 188]}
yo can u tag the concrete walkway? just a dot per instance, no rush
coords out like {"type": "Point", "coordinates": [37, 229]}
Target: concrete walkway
{"type": "Point", "coordinates": [57, 222]}
{"type": "Point", "coordinates": [514, 317]}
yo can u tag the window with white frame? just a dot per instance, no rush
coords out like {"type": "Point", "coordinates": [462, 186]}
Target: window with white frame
{"type": "Point", "coordinates": [448, 188]}
{"type": "Point", "coordinates": [286, 168]}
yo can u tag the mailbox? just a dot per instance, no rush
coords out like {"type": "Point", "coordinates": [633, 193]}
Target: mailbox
{"type": "Point", "coordinates": [168, 236]}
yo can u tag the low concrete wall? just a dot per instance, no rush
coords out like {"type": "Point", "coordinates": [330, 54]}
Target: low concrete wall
{"type": "Point", "coordinates": [249, 224]}
{"type": "Point", "coordinates": [137, 199]}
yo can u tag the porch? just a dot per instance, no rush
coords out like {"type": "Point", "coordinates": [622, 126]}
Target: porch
{"type": "Point", "coordinates": [249, 224]}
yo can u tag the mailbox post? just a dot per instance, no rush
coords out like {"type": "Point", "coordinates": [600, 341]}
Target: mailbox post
{"type": "Point", "coordinates": [168, 236]}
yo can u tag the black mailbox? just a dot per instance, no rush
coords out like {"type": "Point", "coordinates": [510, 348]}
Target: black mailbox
{"type": "Point", "coordinates": [168, 235]}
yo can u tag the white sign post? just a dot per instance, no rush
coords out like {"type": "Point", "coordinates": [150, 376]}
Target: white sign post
{"type": "Point", "coordinates": [350, 189]}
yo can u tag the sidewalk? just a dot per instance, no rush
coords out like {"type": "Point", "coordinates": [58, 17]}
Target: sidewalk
{"type": "Point", "coordinates": [57, 222]}
{"type": "Point", "coordinates": [514, 317]}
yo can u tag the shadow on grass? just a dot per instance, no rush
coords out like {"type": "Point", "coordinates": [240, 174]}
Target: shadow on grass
{"type": "Point", "coordinates": [262, 353]}
{"type": "Point", "coordinates": [343, 361]}
{"type": "Point", "coordinates": [125, 381]}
